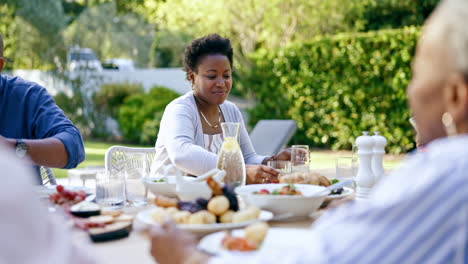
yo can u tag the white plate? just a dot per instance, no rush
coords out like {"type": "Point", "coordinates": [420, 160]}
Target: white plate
{"type": "Point", "coordinates": [346, 192]}
{"type": "Point", "coordinates": [277, 240]}
{"type": "Point", "coordinates": [145, 217]}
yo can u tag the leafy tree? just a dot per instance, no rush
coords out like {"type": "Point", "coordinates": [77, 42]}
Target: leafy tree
{"type": "Point", "coordinates": [254, 24]}
{"type": "Point", "coordinates": [111, 34]}
{"type": "Point", "coordinates": [8, 30]}
{"type": "Point", "coordinates": [32, 38]}
{"type": "Point", "coordinates": [251, 24]}
{"type": "Point", "coordinates": [167, 48]}
{"type": "Point", "coordinates": [381, 14]}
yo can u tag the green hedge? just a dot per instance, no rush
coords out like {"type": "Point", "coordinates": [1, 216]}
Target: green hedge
{"type": "Point", "coordinates": [336, 87]}
{"type": "Point", "coordinates": [112, 95]}
{"type": "Point", "coordinates": [140, 114]}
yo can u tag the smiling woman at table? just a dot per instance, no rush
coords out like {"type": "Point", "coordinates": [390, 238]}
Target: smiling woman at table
{"type": "Point", "coordinates": [419, 213]}
{"type": "Point", "coordinates": [189, 137]}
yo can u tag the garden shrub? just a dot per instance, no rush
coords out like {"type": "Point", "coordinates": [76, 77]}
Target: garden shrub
{"type": "Point", "coordinates": [112, 95]}
{"type": "Point", "coordinates": [140, 114]}
{"type": "Point", "coordinates": [337, 86]}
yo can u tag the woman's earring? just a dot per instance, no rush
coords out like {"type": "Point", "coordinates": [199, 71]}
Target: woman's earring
{"type": "Point", "coordinates": [450, 127]}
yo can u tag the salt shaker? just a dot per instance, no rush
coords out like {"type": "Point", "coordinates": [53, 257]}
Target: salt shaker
{"type": "Point", "coordinates": [378, 153]}
{"type": "Point", "coordinates": [365, 178]}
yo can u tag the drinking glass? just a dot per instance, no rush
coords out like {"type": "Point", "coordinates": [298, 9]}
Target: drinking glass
{"type": "Point", "coordinates": [346, 168]}
{"type": "Point", "coordinates": [300, 158]}
{"type": "Point", "coordinates": [282, 166]}
{"type": "Point", "coordinates": [135, 170]}
{"type": "Point", "coordinates": [110, 189]}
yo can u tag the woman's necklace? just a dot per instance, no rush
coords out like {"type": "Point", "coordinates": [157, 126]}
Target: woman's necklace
{"type": "Point", "coordinates": [206, 120]}
{"type": "Point", "coordinates": [204, 117]}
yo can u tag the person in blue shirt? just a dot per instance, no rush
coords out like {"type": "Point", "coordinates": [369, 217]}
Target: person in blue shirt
{"type": "Point", "coordinates": [32, 124]}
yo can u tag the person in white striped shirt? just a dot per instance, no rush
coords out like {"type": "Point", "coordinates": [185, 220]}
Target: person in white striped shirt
{"type": "Point", "coordinates": [419, 213]}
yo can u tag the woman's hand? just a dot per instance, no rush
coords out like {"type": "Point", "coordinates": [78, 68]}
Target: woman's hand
{"type": "Point", "coordinates": [285, 154]}
{"type": "Point", "coordinates": [173, 246]}
{"type": "Point", "coordinates": [261, 174]}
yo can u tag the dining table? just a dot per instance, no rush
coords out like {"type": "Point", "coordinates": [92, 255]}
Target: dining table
{"type": "Point", "coordinates": [136, 247]}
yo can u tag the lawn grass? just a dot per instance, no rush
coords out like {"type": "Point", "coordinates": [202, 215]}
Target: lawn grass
{"type": "Point", "coordinates": [326, 159]}
{"type": "Point", "coordinates": [319, 159]}
{"type": "Point", "coordinates": [95, 152]}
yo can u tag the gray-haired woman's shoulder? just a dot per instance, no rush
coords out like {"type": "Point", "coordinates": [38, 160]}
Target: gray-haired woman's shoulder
{"type": "Point", "coordinates": [451, 152]}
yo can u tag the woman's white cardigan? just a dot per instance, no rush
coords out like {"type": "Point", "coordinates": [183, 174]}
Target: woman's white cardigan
{"type": "Point", "coordinates": [180, 143]}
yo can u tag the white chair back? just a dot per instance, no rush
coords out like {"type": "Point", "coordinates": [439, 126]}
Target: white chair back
{"type": "Point", "coordinates": [47, 176]}
{"type": "Point", "coordinates": [119, 158]}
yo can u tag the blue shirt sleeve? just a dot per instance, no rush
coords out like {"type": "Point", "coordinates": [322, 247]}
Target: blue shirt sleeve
{"type": "Point", "coordinates": [48, 120]}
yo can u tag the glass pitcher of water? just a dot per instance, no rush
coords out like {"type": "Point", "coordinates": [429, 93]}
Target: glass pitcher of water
{"type": "Point", "coordinates": [230, 157]}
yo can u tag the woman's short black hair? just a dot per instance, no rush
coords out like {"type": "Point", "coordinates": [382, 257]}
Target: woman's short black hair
{"type": "Point", "coordinates": [207, 45]}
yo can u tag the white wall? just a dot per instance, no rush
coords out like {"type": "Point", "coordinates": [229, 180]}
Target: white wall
{"type": "Point", "coordinates": [173, 78]}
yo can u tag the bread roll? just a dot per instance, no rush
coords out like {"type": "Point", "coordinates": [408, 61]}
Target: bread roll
{"type": "Point", "coordinates": [256, 232]}
{"type": "Point", "coordinates": [226, 217]}
{"type": "Point", "coordinates": [202, 217]}
{"type": "Point", "coordinates": [305, 178]}
{"type": "Point", "coordinates": [250, 213]}
{"type": "Point", "coordinates": [182, 217]}
{"type": "Point", "coordinates": [324, 181]}
{"type": "Point", "coordinates": [160, 215]}
{"type": "Point", "coordinates": [171, 211]}
{"type": "Point", "coordinates": [218, 205]}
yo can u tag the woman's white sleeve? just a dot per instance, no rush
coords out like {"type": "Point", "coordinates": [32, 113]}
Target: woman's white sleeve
{"type": "Point", "coordinates": [179, 136]}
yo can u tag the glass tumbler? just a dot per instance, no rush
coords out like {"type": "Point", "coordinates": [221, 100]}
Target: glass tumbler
{"type": "Point", "coordinates": [282, 166]}
{"type": "Point", "coordinates": [300, 158]}
{"type": "Point", "coordinates": [110, 190]}
{"type": "Point", "coordinates": [135, 170]}
{"type": "Point", "coordinates": [346, 168]}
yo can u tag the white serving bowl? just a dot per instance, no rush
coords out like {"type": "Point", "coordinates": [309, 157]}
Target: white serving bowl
{"type": "Point", "coordinates": [291, 205]}
{"type": "Point", "coordinates": [166, 188]}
